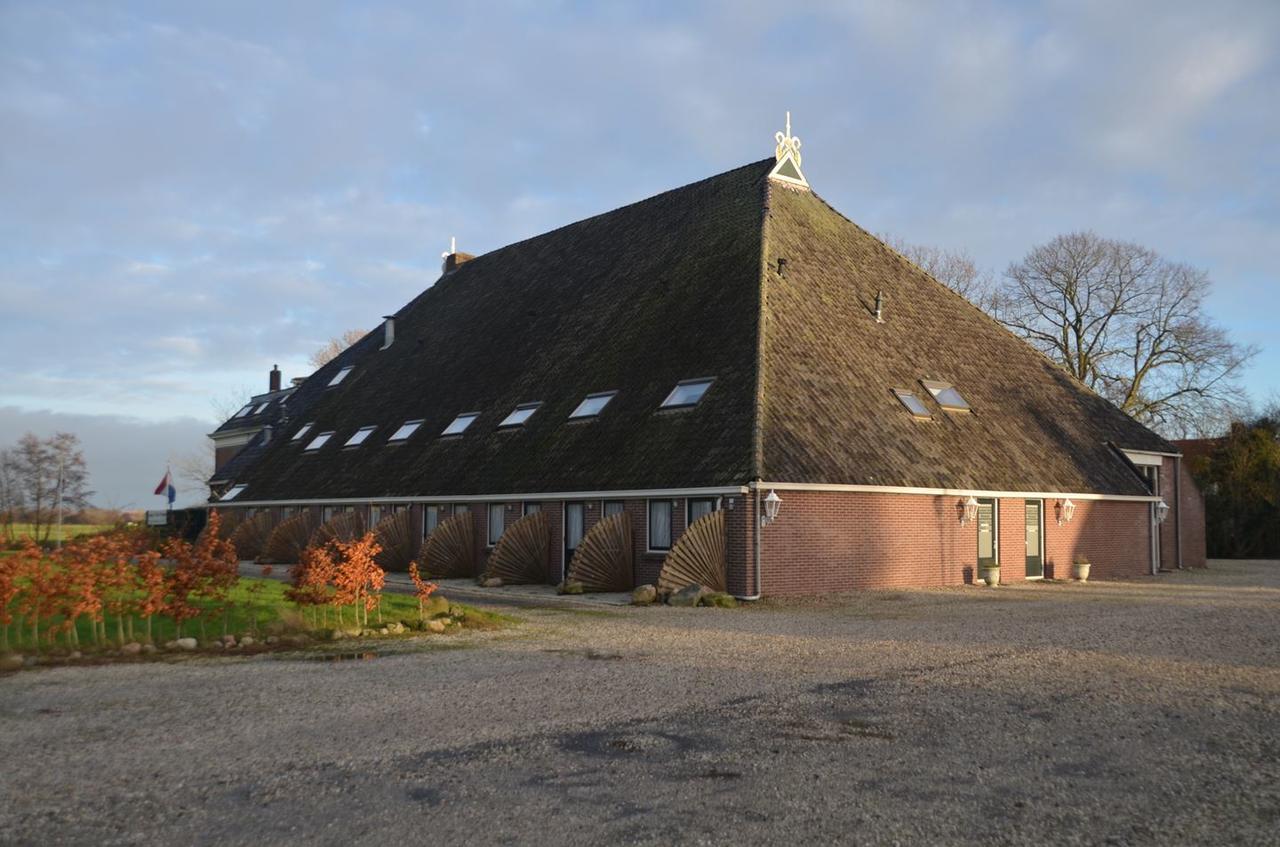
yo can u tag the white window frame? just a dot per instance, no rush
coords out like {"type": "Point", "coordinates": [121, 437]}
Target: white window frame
{"type": "Point", "coordinates": [669, 404]}
{"type": "Point", "coordinates": [302, 431]}
{"type": "Point", "coordinates": [233, 492]}
{"type": "Point", "coordinates": [902, 394]}
{"type": "Point", "coordinates": [246, 409]}
{"type": "Point", "coordinates": [340, 376]}
{"type": "Point", "coordinates": [396, 437]}
{"type": "Point", "coordinates": [578, 413]}
{"type": "Point", "coordinates": [517, 418]}
{"type": "Point", "coordinates": [360, 436]}
{"type": "Point", "coordinates": [936, 387]}
{"type": "Point", "coordinates": [648, 525]}
{"type": "Point", "coordinates": [474, 416]}
{"type": "Point", "coordinates": [428, 509]}
{"type": "Point", "coordinates": [501, 510]}
{"type": "Point", "coordinates": [322, 437]}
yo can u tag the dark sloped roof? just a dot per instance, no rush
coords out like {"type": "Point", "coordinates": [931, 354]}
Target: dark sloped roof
{"type": "Point", "coordinates": [273, 413]}
{"type": "Point", "coordinates": [828, 409]}
{"type": "Point", "coordinates": [634, 300]}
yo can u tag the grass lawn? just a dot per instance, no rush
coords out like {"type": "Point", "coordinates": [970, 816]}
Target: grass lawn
{"type": "Point", "coordinates": [69, 530]}
{"type": "Point", "coordinates": [257, 607]}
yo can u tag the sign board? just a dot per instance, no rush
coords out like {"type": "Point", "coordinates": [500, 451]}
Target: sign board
{"type": "Point", "coordinates": [155, 518]}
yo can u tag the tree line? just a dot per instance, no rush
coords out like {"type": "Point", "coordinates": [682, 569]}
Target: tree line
{"type": "Point", "coordinates": [42, 481]}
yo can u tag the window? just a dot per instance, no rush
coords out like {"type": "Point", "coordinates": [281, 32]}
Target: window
{"type": "Point", "coordinates": [262, 408]}
{"type": "Point", "coordinates": [460, 508]}
{"type": "Point", "coordinates": [520, 414]}
{"type": "Point", "coordinates": [357, 438]}
{"type": "Point", "coordinates": [946, 395]}
{"type": "Point", "coordinates": [659, 524]}
{"type": "Point", "coordinates": [375, 515]}
{"type": "Point", "coordinates": [406, 429]}
{"type": "Point", "coordinates": [532, 508]}
{"type": "Point", "coordinates": [913, 403]}
{"type": "Point", "coordinates": [497, 517]}
{"type": "Point", "coordinates": [431, 520]}
{"type": "Point", "coordinates": [460, 423]}
{"type": "Point", "coordinates": [340, 376]}
{"type": "Point", "coordinates": [698, 507]}
{"type": "Point", "coordinates": [609, 508]}
{"type": "Point", "coordinates": [244, 411]}
{"type": "Point", "coordinates": [319, 441]}
{"type": "Point", "coordinates": [288, 512]}
{"type": "Point", "coordinates": [233, 492]}
{"type": "Point", "coordinates": [302, 430]}
{"type": "Point", "coordinates": [687, 393]}
{"type": "Point", "coordinates": [327, 513]}
{"type": "Point", "coordinates": [592, 405]}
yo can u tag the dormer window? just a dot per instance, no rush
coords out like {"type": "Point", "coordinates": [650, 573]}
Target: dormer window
{"type": "Point", "coordinates": [592, 405]}
{"type": "Point", "coordinates": [687, 393]}
{"type": "Point", "coordinates": [406, 429]}
{"type": "Point", "coordinates": [357, 438]}
{"type": "Point", "coordinates": [913, 403]}
{"type": "Point", "coordinates": [302, 431]}
{"type": "Point", "coordinates": [460, 423]}
{"type": "Point", "coordinates": [520, 414]}
{"type": "Point", "coordinates": [340, 376]}
{"type": "Point", "coordinates": [319, 441]}
{"type": "Point", "coordinates": [233, 492]}
{"type": "Point", "coordinates": [946, 395]}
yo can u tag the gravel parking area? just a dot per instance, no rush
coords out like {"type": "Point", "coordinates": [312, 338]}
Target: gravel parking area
{"type": "Point", "coordinates": [1144, 712]}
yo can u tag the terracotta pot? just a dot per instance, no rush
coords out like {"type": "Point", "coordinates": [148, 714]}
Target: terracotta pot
{"type": "Point", "coordinates": [1080, 571]}
{"type": "Point", "coordinates": [991, 576]}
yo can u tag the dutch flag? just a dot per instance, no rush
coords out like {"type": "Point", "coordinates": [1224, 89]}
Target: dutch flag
{"type": "Point", "coordinates": [166, 487]}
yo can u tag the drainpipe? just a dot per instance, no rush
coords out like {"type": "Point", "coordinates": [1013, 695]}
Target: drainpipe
{"type": "Point", "coordinates": [1177, 508]}
{"type": "Point", "coordinates": [755, 533]}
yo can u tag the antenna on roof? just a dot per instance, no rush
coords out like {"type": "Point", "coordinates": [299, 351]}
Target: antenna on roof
{"type": "Point", "coordinates": [787, 154]}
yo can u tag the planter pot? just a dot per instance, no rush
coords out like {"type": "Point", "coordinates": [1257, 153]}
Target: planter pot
{"type": "Point", "coordinates": [1080, 571]}
{"type": "Point", "coordinates": [991, 576]}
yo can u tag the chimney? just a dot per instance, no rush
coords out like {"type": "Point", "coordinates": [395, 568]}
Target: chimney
{"type": "Point", "coordinates": [273, 383]}
{"type": "Point", "coordinates": [453, 258]}
{"type": "Point", "coordinates": [388, 330]}
{"type": "Point", "coordinates": [880, 307]}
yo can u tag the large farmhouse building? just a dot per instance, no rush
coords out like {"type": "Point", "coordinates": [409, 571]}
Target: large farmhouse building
{"type": "Point", "coordinates": [734, 353]}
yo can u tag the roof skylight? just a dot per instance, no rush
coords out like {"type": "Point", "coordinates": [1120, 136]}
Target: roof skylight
{"type": "Point", "coordinates": [592, 405]}
{"type": "Point", "coordinates": [319, 441]}
{"type": "Point", "coordinates": [302, 430]}
{"type": "Point", "coordinates": [460, 423]}
{"type": "Point", "coordinates": [340, 376]}
{"type": "Point", "coordinates": [520, 414]}
{"type": "Point", "coordinates": [946, 395]}
{"type": "Point", "coordinates": [406, 429]}
{"type": "Point", "coordinates": [357, 438]}
{"type": "Point", "coordinates": [687, 393]}
{"type": "Point", "coordinates": [262, 408]}
{"type": "Point", "coordinates": [913, 403]}
{"type": "Point", "coordinates": [233, 492]}
{"type": "Point", "coordinates": [244, 411]}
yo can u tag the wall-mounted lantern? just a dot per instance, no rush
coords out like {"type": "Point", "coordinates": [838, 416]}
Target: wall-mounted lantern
{"type": "Point", "coordinates": [1065, 509]}
{"type": "Point", "coordinates": [968, 510]}
{"type": "Point", "coordinates": [1162, 511]}
{"type": "Point", "coordinates": [772, 503]}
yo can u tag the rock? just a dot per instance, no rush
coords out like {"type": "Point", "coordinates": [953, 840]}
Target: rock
{"type": "Point", "coordinates": [570, 586]}
{"type": "Point", "coordinates": [396, 628]}
{"type": "Point", "coordinates": [247, 641]}
{"type": "Point", "coordinates": [229, 640]}
{"type": "Point", "coordinates": [718, 599]}
{"type": "Point", "coordinates": [219, 645]}
{"type": "Point", "coordinates": [12, 661]}
{"type": "Point", "coordinates": [436, 605]}
{"type": "Point", "coordinates": [30, 661]}
{"type": "Point", "coordinates": [133, 648]}
{"type": "Point", "coordinates": [146, 648]}
{"type": "Point", "coordinates": [435, 626]}
{"type": "Point", "coordinates": [687, 596]}
{"type": "Point", "coordinates": [645, 595]}
{"type": "Point", "coordinates": [76, 654]}
{"type": "Point", "coordinates": [272, 639]}
{"type": "Point", "coordinates": [456, 611]}
{"type": "Point", "coordinates": [184, 644]}
{"type": "Point", "coordinates": [492, 582]}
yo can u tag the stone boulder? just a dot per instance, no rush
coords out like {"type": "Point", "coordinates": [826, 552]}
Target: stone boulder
{"type": "Point", "coordinates": [687, 596]}
{"type": "Point", "coordinates": [183, 644]}
{"type": "Point", "coordinates": [10, 662]}
{"type": "Point", "coordinates": [133, 648]}
{"type": "Point", "coordinates": [246, 641]}
{"type": "Point", "coordinates": [570, 586]}
{"type": "Point", "coordinates": [436, 625]}
{"type": "Point", "coordinates": [492, 582]}
{"type": "Point", "coordinates": [718, 599]}
{"type": "Point", "coordinates": [645, 595]}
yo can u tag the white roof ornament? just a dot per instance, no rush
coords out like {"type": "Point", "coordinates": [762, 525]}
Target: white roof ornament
{"type": "Point", "coordinates": [788, 155]}
{"type": "Point", "coordinates": [453, 247]}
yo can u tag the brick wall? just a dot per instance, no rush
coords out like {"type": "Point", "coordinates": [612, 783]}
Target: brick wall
{"type": "Point", "coordinates": [1193, 534]}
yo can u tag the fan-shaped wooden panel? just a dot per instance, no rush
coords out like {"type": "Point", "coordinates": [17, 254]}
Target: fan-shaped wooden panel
{"type": "Point", "coordinates": [523, 553]}
{"type": "Point", "coordinates": [604, 560]}
{"type": "Point", "coordinates": [228, 521]}
{"type": "Point", "coordinates": [344, 526]}
{"type": "Point", "coordinates": [290, 537]}
{"type": "Point", "coordinates": [397, 536]}
{"type": "Point", "coordinates": [698, 557]}
{"type": "Point", "coordinates": [450, 550]}
{"type": "Point", "coordinates": [250, 537]}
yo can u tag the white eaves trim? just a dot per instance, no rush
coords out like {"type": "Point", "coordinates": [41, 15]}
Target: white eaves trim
{"type": "Point", "coordinates": [648, 493]}
{"type": "Point", "coordinates": [949, 492]}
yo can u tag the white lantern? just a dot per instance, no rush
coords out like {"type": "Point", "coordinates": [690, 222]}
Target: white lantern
{"type": "Point", "coordinates": [1065, 510]}
{"type": "Point", "coordinates": [968, 510]}
{"type": "Point", "coordinates": [772, 503]}
{"type": "Point", "coordinates": [1162, 511]}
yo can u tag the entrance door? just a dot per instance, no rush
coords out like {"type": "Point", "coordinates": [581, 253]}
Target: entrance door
{"type": "Point", "coordinates": [986, 532]}
{"type": "Point", "coordinates": [1035, 549]}
{"type": "Point", "coordinates": [574, 520]}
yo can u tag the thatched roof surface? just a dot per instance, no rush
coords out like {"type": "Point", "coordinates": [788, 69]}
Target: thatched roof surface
{"type": "Point", "coordinates": [677, 287]}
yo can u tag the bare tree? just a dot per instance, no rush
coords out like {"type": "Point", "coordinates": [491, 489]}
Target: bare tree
{"type": "Point", "coordinates": [955, 269]}
{"type": "Point", "coordinates": [12, 499]}
{"type": "Point", "coordinates": [330, 351]}
{"type": "Point", "coordinates": [1131, 325]}
{"type": "Point", "coordinates": [53, 477]}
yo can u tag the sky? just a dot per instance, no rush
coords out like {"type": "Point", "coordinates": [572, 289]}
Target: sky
{"type": "Point", "coordinates": [191, 193]}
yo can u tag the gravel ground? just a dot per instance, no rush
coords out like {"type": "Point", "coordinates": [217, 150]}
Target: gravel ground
{"type": "Point", "coordinates": [1143, 712]}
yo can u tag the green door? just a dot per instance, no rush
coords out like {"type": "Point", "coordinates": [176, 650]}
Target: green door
{"type": "Point", "coordinates": [986, 532]}
{"type": "Point", "coordinates": [1035, 548]}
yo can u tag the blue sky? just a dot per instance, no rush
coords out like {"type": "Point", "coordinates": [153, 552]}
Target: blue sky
{"type": "Point", "coordinates": [192, 192]}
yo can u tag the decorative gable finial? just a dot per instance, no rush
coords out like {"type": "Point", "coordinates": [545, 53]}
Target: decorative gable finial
{"type": "Point", "coordinates": [453, 247]}
{"type": "Point", "coordinates": [787, 154]}
{"type": "Point", "coordinates": [787, 143]}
